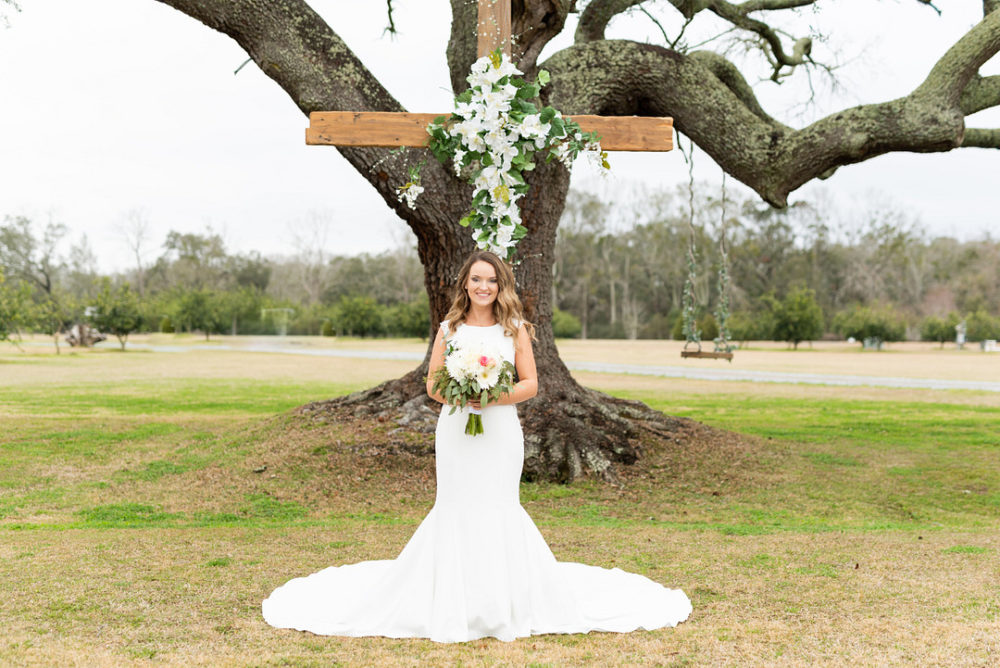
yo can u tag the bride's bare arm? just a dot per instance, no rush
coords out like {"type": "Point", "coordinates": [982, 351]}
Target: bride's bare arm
{"type": "Point", "coordinates": [524, 361]}
{"type": "Point", "coordinates": [437, 361]}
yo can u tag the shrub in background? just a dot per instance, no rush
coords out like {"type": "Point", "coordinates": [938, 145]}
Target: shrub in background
{"type": "Point", "coordinates": [876, 323]}
{"type": "Point", "coordinates": [565, 325]}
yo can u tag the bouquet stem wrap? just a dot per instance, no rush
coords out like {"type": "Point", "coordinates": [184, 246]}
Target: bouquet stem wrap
{"type": "Point", "coordinates": [474, 425]}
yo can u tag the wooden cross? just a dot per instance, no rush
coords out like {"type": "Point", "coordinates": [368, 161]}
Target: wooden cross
{"type": "Point", "coordinates": [383, 128]}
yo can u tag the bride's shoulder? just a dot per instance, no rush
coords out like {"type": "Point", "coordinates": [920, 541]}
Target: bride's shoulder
{"type": "Point", "coordinates": [444, 328]}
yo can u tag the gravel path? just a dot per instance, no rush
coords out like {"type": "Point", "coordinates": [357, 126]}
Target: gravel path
{"type": "Point", "coordinates": [725, 374]}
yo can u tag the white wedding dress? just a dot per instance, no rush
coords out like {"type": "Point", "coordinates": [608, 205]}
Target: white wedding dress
{"type": "Point", "coordinates": [477, 565]}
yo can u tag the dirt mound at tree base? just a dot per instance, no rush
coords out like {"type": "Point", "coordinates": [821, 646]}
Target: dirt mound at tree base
{"type": "Point", "coordinates": [333, 460]}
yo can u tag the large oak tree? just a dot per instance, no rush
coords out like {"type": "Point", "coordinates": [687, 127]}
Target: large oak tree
{"type": "Point", "coordinates": [570, 429]}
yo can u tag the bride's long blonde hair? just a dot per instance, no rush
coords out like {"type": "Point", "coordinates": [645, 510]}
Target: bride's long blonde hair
{"type": "Point", "coordinates": [507, 308]}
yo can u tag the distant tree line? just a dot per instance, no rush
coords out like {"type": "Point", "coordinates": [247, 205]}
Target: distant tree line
{"type": "Point", "coordinates": [798, 274]}
{"type": "Point", "coordinates": [196, 285]}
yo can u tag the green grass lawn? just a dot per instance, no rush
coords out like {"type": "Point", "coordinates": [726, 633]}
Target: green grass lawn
{"type": "Point", "coordinates": [143, 518]}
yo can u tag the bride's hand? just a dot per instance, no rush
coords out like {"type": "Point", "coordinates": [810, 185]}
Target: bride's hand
{"type": "Point", "coordinates": [474, 404]}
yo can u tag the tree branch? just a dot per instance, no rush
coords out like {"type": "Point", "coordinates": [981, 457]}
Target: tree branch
{"type": "Point", "coordinates": [716, 109]}
{"type": "Point", "coordinates": [738, 15]}
{"type": "Point", "coordinates": [930, 3]}
{"type": "Point", "coordinates": [462, 42]}
{"type": "Point", "coordinates": [537, 22]}
{"type": "Point", "coordinates": [981, 138]}
{"type": "Point", "coordinates": [981, 93]}
{"type": "Point", "coordinates": [730, 75]}
{"type": "Point", "coordinates": [597, 14]}
{"type": "Point", "coordinates": [294, 46]}
{"type": "Point", "coordinates": [953, 72]}
{"type": "Point", "coordinates": [772, 5]}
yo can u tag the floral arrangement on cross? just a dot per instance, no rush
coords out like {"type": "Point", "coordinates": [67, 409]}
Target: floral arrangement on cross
{"type": "Point", "coordinates": [492, 138]}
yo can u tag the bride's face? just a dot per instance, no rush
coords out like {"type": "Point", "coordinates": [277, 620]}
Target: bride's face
{"type": "Point", "coordinates": [482, 285]}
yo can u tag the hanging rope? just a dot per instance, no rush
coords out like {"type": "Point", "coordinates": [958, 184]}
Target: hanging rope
{"type": "Point", "coordinates": [722, 344]}
{"type": "Point", "coordinates": [692, 335]}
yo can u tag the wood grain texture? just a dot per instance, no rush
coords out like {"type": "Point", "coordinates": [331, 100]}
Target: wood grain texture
{"type": "Point", "coordinates": [493, 28]}
{"type": "Point", "coordinates": [387, 129]}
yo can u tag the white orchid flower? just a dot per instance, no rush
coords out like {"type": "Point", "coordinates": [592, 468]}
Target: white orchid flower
{"type": "Point", "coordinates": [488, 179]}
{"type": "Point", "coordinates": [505, 156]}
{"type": "Point", "coordinates": [409, 194]}
{"type": "Point", "coordinates": [504, 234]}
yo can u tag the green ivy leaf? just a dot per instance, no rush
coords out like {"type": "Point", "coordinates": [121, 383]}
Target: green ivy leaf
{"type": "Point", "coordinates": [543, 77]}
{"type": "Point", "coordinates": [526, 107]}
{"type": "Point", "coordinates": [528, 92]}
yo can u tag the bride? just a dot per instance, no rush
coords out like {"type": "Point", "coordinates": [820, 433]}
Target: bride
{"type": "Point", "coordinates": [477, 565]}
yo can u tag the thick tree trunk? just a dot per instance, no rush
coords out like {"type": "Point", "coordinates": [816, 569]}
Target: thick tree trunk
{"type": "Point", "coordinates": [569, 430]}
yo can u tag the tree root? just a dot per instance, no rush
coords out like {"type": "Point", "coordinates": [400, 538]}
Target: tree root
{"type": "Point", "coordinates": [582, 431]}
{"type": "Point", "coordinates": [567, 434]}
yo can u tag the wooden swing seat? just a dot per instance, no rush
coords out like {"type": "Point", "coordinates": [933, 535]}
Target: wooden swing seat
{"type": "Point", "coordinates": [704, 354]}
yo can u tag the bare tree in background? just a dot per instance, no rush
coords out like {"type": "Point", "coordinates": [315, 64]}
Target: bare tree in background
{"type": "Point", "coordinates": [134, 232]}
{"type": "Point", "coordinates": [309, 237]}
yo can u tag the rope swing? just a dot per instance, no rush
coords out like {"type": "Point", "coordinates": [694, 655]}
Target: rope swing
{"type": "Point", "coordinates": [692, 334]}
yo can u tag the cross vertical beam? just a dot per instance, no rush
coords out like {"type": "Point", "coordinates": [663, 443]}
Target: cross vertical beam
{"type": "Point", "coordinates": [493, 27]}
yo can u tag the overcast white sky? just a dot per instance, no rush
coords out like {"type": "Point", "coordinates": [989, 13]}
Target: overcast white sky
{"type": "Point", "coordinates": [112, 105]}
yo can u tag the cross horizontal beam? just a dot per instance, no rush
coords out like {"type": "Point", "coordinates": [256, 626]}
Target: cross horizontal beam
{"type": "Point", "coordinates": [389, 129]}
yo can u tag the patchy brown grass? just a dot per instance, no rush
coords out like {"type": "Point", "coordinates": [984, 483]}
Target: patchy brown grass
{"type": "Point", "coordinates": [183, 596]}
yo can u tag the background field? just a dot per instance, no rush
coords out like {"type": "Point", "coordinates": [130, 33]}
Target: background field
{"type": "Point", "coordinates": [150, 500]}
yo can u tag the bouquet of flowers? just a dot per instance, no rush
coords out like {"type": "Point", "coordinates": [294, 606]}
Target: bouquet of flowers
{"type": "Point", "coordinates": [470, 373]}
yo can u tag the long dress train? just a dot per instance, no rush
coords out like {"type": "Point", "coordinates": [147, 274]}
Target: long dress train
{"type": "Point", "coordinates": [477, 565]}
